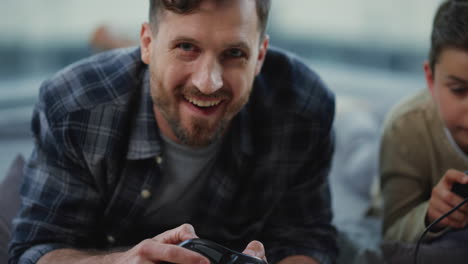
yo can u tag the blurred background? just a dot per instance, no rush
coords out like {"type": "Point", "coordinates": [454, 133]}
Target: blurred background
{"type": "Point", "coordinates": [369, 52]}
{"type": "Point", "coordinates": [361, 47]}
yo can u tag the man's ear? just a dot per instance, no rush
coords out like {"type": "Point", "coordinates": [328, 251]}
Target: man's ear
{"type": "Point", "coordinates": [429, 75]}
{"type": "Point", "coordinates": [146, 38]}
{"type": "Point", "coordinates": [262, 54]}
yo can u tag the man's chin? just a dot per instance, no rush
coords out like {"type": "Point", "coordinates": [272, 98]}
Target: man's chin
{"type": "Point", "coordinates": [200, 136]}
{"type": "Point", "coordinates": [197, 140]}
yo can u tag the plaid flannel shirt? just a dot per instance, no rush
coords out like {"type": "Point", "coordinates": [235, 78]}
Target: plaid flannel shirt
{"type": "Point", "coordinates": [93, 172]}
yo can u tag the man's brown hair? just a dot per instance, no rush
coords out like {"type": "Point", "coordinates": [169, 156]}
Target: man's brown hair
{"type": "Point", "coordinates": [187, 6]}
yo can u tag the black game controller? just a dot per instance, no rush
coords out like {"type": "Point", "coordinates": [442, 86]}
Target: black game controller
{"type": "Point", "coordinates": [218, 254]}
{"type": "Point", "coordinates": [460, 189]}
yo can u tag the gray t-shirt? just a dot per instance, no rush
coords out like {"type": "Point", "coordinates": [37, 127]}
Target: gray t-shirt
{"type": "Point", "coordinates": [183, 178]}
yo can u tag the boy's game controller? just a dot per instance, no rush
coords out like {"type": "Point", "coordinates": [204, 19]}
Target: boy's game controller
{"type": "Point", "coordinates": [460, 189]}
{"type": "Point", "coordinates": [218, 254]}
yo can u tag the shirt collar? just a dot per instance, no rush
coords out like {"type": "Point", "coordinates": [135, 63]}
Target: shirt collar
{"type": "Point", "coordinates": [244, 125]}
{"type": "Point", "coordinates": [244, 134]}
{"type": "Point", "coordinates": [144, 136]}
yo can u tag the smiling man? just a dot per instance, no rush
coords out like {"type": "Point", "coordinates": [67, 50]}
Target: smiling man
{"type": "Point", "coordinates": [202, 67]}
{"type": "Point", "coordinates": [202, 124]}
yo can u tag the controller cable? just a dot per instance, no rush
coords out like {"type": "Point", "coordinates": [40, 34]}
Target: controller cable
{"type": "Point", "coordinates": [435, 222]}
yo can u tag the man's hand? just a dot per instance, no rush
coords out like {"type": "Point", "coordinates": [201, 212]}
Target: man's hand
{"type": "Point", "coordinates": [162, 247]}
{"type": "Point", "coordinates": [256, 249]}
{"type": "Point", "coordinates": [443, 200]}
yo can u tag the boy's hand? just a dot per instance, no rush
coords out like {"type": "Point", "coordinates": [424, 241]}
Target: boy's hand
{"type": "Point", "coordinates": [443, 200]}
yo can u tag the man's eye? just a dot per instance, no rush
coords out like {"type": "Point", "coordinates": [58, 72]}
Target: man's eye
{"type": "Point", "coordinates": [186, 47]}
{"type": "Point", "coordinates": [235, 53]}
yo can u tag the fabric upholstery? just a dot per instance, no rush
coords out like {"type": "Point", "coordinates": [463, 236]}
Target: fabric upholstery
{"type": "Point", "coordinates": [9, 203]}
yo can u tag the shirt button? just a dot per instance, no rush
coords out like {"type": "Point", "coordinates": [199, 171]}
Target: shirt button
{"type": "Point", "coordinates": [110, 239]}
{"type": "Point", "coordinates": [159, 160]}
{"type": "Point", "coordinates": [145, 194]}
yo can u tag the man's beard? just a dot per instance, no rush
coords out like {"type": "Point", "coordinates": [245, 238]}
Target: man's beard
{"type": "Point", "coordinates": [199, 132]}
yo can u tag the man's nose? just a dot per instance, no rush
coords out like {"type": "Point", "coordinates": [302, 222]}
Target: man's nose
{"type": "Point", "coordinates": [208, 75]}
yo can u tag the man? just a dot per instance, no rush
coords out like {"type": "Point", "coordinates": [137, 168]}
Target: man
{"type": "Point", "coordinates": [135, 142]}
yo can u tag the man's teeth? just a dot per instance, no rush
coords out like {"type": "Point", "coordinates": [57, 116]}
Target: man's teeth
{"type": "Point", "coordinates": [203, 103]}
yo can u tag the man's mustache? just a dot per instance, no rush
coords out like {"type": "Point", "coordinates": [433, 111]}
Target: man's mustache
{"type": "Point", "coordinates": [222, 93]}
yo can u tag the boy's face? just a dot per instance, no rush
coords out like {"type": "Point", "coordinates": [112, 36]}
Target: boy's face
{"type": "Point", "coordinates": [448, 85]}
{"type": "Point", "coordinates": [202, 66]}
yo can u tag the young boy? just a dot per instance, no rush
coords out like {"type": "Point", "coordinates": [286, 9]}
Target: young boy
{"type": "Point", "coordinates": [424, 148]}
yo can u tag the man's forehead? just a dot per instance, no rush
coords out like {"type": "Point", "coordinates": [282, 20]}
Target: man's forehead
{"type": "Point", "coordinates": [206, 4]}
{"type": "Point", "coordinates": [243, 8]}
{"type": "Point", "coordinates": [231, 26]}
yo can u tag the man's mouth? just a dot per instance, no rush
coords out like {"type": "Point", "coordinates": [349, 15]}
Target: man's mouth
{"type": "Point", "coordinates": [207, 103]}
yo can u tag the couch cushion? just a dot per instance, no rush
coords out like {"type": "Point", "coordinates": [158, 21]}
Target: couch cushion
{"type": "Point", "coordinates": [9, 203]}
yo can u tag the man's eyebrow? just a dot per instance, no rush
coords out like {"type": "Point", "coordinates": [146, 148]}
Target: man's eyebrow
{"type": "Point", "coordinates": [240, 44]}
{"type": "Point", "coordinates": [457, 79]}
{"type": "Point", "coordinates": [184, 39]}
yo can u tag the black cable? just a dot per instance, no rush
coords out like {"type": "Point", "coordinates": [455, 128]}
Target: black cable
{"type": "Point", "coordinates": [431, 225]}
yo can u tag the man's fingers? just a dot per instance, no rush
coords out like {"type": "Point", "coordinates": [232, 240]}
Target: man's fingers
{"type": "Point", "coordinates": [186, 231]}
{"type": "Point", "coordinates": [163, 247]}
{"type": "Point", "coordinates": [256, 249]}
{"type": "Point", "coordinates": [156, 251]}
{"type": "Point", "coordinates": [177, 235]}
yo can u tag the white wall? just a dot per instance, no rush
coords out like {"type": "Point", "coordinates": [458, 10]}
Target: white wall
{"type": "Point", "coordinates": [377, 22]}
{"type": "Point", "coordinates": [42, 21]}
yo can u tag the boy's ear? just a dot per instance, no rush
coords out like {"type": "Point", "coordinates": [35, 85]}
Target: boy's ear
{"type": "Point", "coordinates": [429, 77]}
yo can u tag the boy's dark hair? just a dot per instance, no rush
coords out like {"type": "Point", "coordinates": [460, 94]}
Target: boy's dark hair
{"type": "Point", "coordinates": [449, 29]}
{"type": "Point", "coordinates": [187, 6]}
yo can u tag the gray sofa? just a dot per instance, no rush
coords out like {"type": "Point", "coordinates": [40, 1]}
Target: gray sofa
{"type": "Point", "coordinates": [9, 203]}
